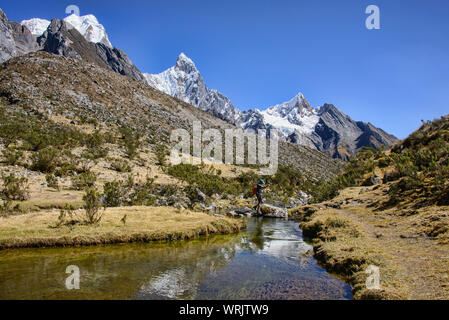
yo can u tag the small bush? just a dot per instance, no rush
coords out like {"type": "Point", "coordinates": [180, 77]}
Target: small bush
{"type": "Point", "coordinates": [6, 208]}
{"type": "Point", "coordinates": [121, 165]}
{"type": "Point", "coordinates": [95, 153]}
{"type": "Point", "coordinates": [92, 206]}
{"type": "Point", "coordinates": [161, 154]}
{"type": "Point", "coordinates": [94, 140]}
{"type": "Point", "coordinates": [131, 141]}
{"type": "Point", "coordinates": [12, 156]}
{"type": "Point", "coordinates": [15, 188]}
{"type": "Point", "coordinates": [113, 194]}
{"type": "Point", "coordinates": [67, 217]}
{"type": "Point", "coordinates": [52, 181]}
{"type": "Point", "coordinates": [83, 180]}
{"type": "Point", "coordinates": [45, 160]}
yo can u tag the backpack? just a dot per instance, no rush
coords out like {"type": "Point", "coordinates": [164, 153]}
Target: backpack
{"type": "Point", "coordinates": [255, 190]}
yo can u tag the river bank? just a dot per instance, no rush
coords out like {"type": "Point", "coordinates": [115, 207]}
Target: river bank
{"type": "Point", "coordinates": [354, 231]}
{"type": "Point", "coordinates": [268, 261]}
{"type": "Point", "coordinates": [119, 225]}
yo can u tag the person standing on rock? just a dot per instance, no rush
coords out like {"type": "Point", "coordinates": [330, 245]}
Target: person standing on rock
{"type": "Point", "coordinates": [259, 195]}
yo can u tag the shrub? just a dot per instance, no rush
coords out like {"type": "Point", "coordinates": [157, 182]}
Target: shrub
{"type": "Point", "coordinates": [121, 165]}
{"type": "Point", "coordinates": [45, 160]}
{"type": "Point", "coordinates": [384, 162]}
{"type": "Point", "coordinates": [92, 206]}
{"type": "Point", "coordinates": [15, 188]}
{"type": "Point", "coordinates": [161, 153]}
{"type": "Point", "coordinates": [131, 141]}
{"type": "Point", "coordinates": [95, 153]}
{"type": "Point", "coordinates": [67, 216]}
{"type": "Point", "coordinates": [12, 156]}
{"type": "Point", "coordinates": [94, 140]}
{"type": "Point", "coordinates": [83, 180]}
{"type": "Point", "coordinates": [141, 196]}
{"type": "Point", "coordinates": [113, 194]}
{"type": "Point", "coordinates": [52, 181]}
{"type": "Point", "coordinates": [5, 208]}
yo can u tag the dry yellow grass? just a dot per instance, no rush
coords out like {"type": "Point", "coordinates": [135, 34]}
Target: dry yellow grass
{"type": "Point", "coordinates": [408, 244]}
{"type": "Point", "coordinates": [143, 224]}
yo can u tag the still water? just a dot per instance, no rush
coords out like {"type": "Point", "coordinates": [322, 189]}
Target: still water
{"type": "Point", "coordinates": [268, 261]}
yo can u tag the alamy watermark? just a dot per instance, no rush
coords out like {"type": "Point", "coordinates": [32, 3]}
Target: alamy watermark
{"type": "Point", "coordinates": [373, 279]}
{"type": "Point", "coordinates": [73, 281]}
{"type": "Point", "coordinates": [207, 146]}
{"type": "Point", "coordinates": [73, 9]}
{"type": "Point", "coordinates": [373, 20]}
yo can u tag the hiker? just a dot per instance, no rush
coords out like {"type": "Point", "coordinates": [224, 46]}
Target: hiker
{"type": "Point", "coordinates": [258, 191]}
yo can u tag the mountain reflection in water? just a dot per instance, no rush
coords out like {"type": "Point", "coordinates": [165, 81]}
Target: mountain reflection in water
{"type": "Point", "coordinates": [269, 261]}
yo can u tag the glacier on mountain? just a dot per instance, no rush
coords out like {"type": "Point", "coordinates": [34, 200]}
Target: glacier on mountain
{"type": "Point", "coordinates": [36, 26]}
{"type": "Point", "coordinates": [184, 81]}
{"type": "Point", "coordinates": [323, 128]}
{"type": "Point", "coordinates": [87, 25]}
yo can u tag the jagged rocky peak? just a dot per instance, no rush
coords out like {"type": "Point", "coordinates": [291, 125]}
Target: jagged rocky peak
{"type": "Point", "coordinates": [87, 25]}
{"type": "Point", "coordinates": [185, 64]}
{"type": "Point", "coordinates": [64, 39]}
{"type": "Point", "coordinates": [90, 28]}
{"type": "Point", "coordinates": [15, 39]}
{"type": "Point", "coordinates": [184, 81]}
{"type": "Point", "coordinates": [297, 105]}
{"type": "Point", "coordinates": [325, 128]}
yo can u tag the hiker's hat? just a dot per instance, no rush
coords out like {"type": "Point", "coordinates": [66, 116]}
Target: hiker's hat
{"type": "Point", "coordinates": [261, 181]}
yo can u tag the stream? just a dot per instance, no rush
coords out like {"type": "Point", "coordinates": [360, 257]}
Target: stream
{"type": "Point", "coordinates": [269, 260]}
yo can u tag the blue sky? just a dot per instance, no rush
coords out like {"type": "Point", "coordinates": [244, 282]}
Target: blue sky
{"type": "Point", "coordinates": [261, 53]}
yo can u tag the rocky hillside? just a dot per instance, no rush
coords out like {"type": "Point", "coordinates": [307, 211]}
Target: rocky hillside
{"type": "Point", "coordinates": [63, 37]}
{"type": "Point", "coordinates": [83, 90]}
{"type": "Point", "coordinates": [15, 39]}
{"type": "Point", "coordinates": [416, 170]}
{"type": "Point", "coordinates": [325, 128]}
{"type": "Point", "coordinates": [388, 209]}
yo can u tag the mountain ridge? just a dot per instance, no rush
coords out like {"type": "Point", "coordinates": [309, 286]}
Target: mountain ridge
{"type": "Point", "coordinates": [325, 128]}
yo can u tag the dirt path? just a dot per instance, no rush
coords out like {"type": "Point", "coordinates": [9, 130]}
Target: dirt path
{"type": "Point", "coordinates": [422, 263]}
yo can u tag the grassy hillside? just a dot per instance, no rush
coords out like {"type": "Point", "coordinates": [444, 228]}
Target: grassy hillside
{"type": "Point", "coordinates": [418, 168]}
{"type": "Point", "coordinates": [67, 126]}
{"type": "Point", "coordinates": [389, 209]}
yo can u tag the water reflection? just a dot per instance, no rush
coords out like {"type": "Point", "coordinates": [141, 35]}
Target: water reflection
{"type": "Point", "coordinates": [266, 262]}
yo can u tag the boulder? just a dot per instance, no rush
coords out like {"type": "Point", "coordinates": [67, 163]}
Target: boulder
{"type": "Point", "coordinates": [270, 211]}
{"type": "Point", "coordinates": [371, 181]}
{"type": "Point", "coordinates": [303, 198]}
{"type": "Point", "coordinates": [200, 195]}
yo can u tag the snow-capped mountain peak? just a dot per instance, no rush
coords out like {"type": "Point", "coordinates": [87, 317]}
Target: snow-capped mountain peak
{"type": "Point", "coordinates": [326, 128]}
{"type": "Point", "coordinates": [297, 105]}
{"type": "Point", "coordinates": [184, 82]}
{"type": "Point", "coordinates": [36, 26]}
{"type": "Point", "coordinates": [184, 60]}
{"type": "Point", "coordinates": [90, 28]}
{"type": "Point", "coordinates": [87, 25]}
